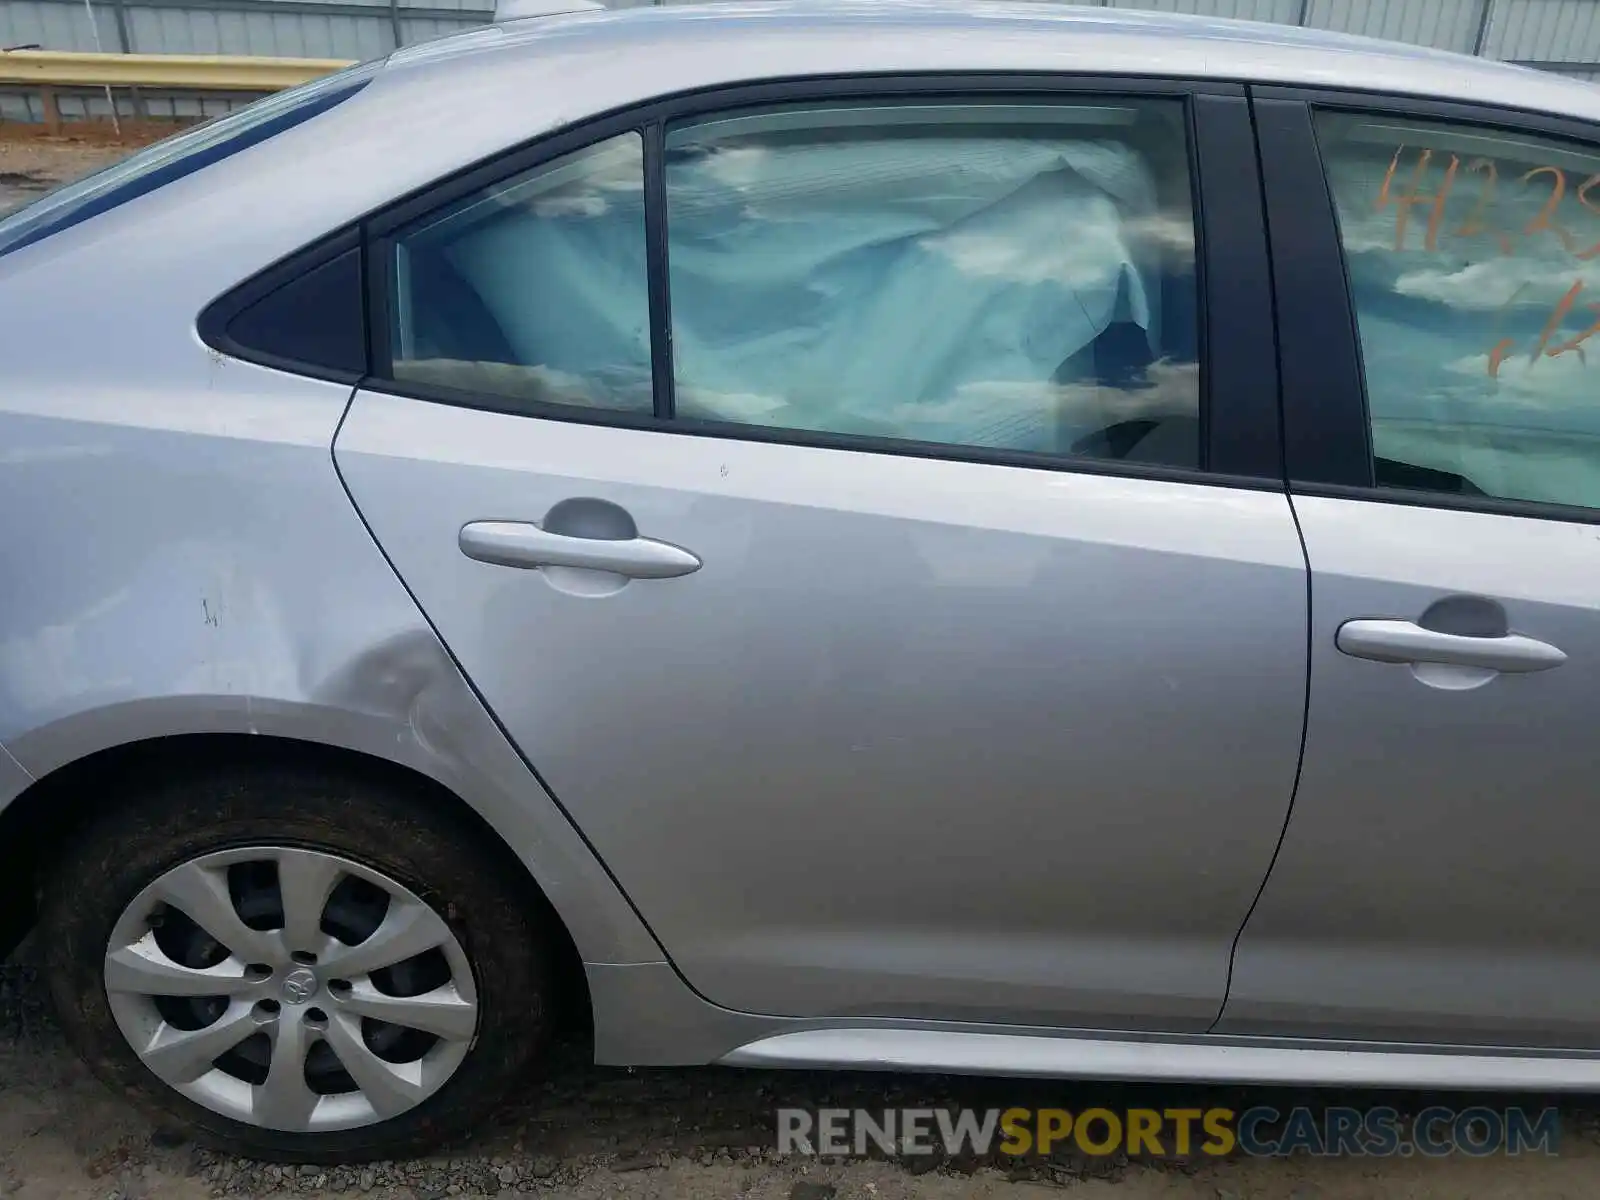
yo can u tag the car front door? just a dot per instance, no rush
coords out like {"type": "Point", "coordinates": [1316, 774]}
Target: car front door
{"type": "Point", "coordinates": [1437, 882]}
{"type": "Point", "coordinates": [848, 509]}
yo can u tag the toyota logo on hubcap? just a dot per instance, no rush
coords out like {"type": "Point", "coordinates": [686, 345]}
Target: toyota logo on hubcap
{"type": "Point", "coordinates": [299, 986]}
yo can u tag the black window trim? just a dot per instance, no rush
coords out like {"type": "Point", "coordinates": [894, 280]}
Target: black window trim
{"type": "Point", "coordinates": [1327, 431]}
{"type": "Point", "coordinates": [214, 319]}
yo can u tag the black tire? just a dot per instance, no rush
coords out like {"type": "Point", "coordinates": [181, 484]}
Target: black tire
{"type": "Point", "coordinates": [398, 830]}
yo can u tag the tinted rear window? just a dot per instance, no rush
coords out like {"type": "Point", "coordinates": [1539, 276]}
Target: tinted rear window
{"type": "Point", "coordinates": [180, 155]}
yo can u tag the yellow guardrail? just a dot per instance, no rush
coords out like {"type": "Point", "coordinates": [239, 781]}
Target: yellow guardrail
{"type": "Point", "coordinates": [186, 72]}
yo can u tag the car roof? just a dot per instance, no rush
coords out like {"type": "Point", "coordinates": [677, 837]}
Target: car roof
{"type": "Point", "coordinates": [675, 47]}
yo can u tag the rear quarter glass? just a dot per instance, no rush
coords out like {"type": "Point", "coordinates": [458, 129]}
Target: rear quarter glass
{"type": "Point", "coordinates": [180, 155]}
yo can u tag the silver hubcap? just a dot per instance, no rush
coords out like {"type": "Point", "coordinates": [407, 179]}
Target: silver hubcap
{"type": "Point", "coordinates": [291, 989]}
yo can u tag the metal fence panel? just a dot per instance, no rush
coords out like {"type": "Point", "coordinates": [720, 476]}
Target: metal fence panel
{"type": "Point", "coordinates": [1545, 31]}
{"type": "Point", "coordinates": [1281, 11]}
{"type": "Point", "coordinates": [425, 29]}
{"type": "Point", "coordinates": [1442, 24]}
{"type": "Point", "coordinates": [287, 35]}
{"type": "Point", "coordinates": [54, 25]}
{"type": "Point", "coordinates": [356, 29]}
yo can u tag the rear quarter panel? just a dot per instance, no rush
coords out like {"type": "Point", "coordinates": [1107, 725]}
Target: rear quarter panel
{"type": "Point", "coordinates": [180, 557]}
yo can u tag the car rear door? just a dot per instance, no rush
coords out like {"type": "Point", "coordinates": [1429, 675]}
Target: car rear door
{"type": "Point", "coordinates": [1436, 881]}
{"type": "Point", "coordinates": [862, 505]}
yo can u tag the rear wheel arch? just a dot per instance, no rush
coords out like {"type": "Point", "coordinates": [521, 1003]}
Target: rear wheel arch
{"type": "Point", "coordinates": [37, 826]}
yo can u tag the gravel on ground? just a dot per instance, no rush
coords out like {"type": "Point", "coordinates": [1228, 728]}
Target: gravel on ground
{"type": "Point", "coordinates": [31, 165]}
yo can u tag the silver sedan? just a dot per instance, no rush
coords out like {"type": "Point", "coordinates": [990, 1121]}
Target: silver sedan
{"type": "Point", "coordinates": [997, 539]}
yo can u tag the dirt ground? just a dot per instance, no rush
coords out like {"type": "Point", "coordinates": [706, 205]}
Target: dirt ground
{"type": "Point", "coordinates": [578, 1132]}
{"type": "Point", "coordinates": [31, 165]}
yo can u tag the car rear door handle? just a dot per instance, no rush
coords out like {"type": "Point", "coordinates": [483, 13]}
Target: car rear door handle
{"type": "Point", "coordinates": [523, 544]}
{"type": "Point", "coordinates": [1408, 642]}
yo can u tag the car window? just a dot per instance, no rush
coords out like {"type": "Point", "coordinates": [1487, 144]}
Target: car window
{"type": "Point", "coordinates": [182, 154]}
{"type": "Point", "coordinates": [1013, 276]}
{"type": "Point", "coordinates": [534, 289]}
{"type": "Point", "coordinates": [1474, 264]}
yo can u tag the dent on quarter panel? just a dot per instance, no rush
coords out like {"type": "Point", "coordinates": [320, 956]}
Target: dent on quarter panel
{"type": "Point", "coordinates": [192, 564]}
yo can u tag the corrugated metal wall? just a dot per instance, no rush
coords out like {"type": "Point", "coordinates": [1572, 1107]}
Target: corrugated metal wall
{"type": "Point", "coordinates": [1559, 35]}
{"type": "Point", "coordinates": [355, 29]}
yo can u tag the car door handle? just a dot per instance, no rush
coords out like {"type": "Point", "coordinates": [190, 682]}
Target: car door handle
{"type": "Point", "coordinates": [1408, 642]}
{"type": "Point", "coordinates": [523, 544]}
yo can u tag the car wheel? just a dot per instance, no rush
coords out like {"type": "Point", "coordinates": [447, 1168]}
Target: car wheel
{"type": "Point", "coordinates": [298, 965]}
